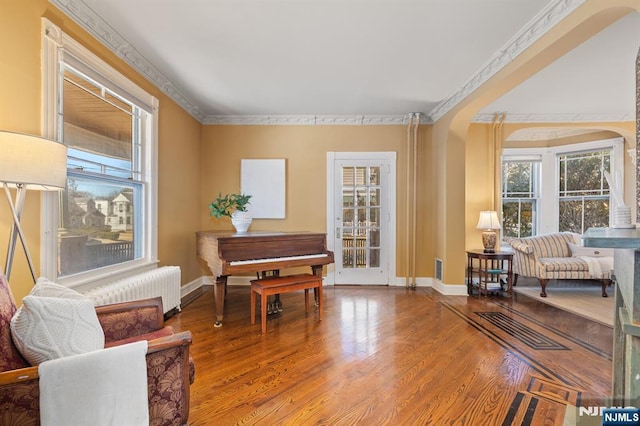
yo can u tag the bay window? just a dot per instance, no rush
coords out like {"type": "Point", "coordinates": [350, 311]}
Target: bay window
{"type": "Point", "coordinates": [560, 188]}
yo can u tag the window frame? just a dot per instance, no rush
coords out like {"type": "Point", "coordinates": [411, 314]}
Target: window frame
{"type": "Point", "coordinates": [57, 47]}
{"type": "Point", "coordinates": [548, 209]}
{"type": "Point", "coordinates": [535, 161]}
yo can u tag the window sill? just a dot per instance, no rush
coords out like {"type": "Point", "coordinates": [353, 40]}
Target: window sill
{"type": "Point", "coordinates": [85, 281]}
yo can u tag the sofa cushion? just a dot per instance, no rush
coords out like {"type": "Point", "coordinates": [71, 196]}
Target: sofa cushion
{"type": "Point", "coordinates": [556, 264]}
{"type": "Point", "coordinates": [551, 245]}
{"type": "Point", "coordinates": [10, 358]}
{"type": "Point", "coordinates": [578, 251]}
{"type": "Point", "coordinates": [46, 328]}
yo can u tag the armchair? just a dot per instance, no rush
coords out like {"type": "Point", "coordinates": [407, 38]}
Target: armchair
{"type": "Point", "coordinates": [170, 369]}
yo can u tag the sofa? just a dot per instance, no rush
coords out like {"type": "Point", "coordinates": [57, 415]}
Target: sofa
{"type": "Point", "coordinates": [558, 256]}
{"type": "Point", "coordinates": [170, 368]}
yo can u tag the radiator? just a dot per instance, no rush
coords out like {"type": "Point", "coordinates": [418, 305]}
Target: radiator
{"type": "Point", "coordinates": [164, 281]}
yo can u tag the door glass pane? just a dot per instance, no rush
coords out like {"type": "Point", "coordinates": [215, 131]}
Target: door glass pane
{"type": "Point", "coordinates": [361, 197]}
{"type": "Point", "coordinates": [374, 217]}
{"type": "Point", "coordinates": [347, 254]}
{"type": "Point", "coordinates": [375, 238]}
{"type": "Point", "coordinates": [374, 258]}
{"type": "Point", "coordinates": [374, 176]}
{"type": "Point", "coordinates": [374, 197]}
{"type": "Point", "coordinates": [347, 197]}
{"type": "Point", "coordinates": [361, 201]}
{"type": "Point", "coordinates": [347, 217]}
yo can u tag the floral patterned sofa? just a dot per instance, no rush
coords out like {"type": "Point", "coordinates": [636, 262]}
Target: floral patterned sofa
{"type": "Point", "coordinates": [170, 369]}
{"type": "Point", "coordinates": [558, 256]}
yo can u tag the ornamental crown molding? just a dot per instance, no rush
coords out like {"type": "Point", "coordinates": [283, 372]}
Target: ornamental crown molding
{"type": "Point", "coordinates": [553, 13]}
{"type": "Point", "coordinates": [554, 118]}
{"type": "Point", "coordinates": [309, 120]}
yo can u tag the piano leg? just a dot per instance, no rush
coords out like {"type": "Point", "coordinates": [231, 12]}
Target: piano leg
{"type": "Point", "coordinates": [317, 271]}
{"type": "Point", "coordinates": [219, 291]}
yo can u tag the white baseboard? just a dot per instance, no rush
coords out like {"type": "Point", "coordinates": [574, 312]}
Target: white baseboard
{"type": "Point", "coordinates": [192, 286]}
{"type": "Point", "coordinates": [446, 289]}
{"type": "Point", "coordinates": [449, 289]}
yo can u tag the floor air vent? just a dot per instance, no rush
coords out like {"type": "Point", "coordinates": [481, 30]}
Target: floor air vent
{"type": "Point", "coordinates": [438, 269]}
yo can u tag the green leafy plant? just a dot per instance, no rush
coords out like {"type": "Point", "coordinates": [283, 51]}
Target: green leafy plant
{"type": "Point", "coordinates": [225, 206]}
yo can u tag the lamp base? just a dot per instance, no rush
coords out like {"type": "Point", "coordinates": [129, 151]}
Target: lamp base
{"type": "Point", "coordinates": [489, 240]}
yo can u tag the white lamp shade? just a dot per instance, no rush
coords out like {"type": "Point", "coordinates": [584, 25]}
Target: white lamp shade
{"type": "Point", "coordinates": [32, 161]}
{"type": "Point", "coordinates": [488, 220]}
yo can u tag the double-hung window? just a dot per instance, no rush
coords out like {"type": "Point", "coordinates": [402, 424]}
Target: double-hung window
{"type": "Point", "coordinates": [104, 221]}
{"type": "Point", "coordinates": [520, 193]}
{"type": "Point", "coordinates": [583, 191]}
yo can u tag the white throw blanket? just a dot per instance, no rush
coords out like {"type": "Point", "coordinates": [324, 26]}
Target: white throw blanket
{"type": "Point", "coordinates": [597, 265]}
{"type": "Point", "coordinates": [104, 387]}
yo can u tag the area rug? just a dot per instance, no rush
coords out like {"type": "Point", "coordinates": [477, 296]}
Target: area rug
{"type": "Point", "coordinates": [580, 299]}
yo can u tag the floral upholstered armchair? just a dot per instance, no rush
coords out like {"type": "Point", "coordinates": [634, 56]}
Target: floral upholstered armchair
{"type": "Point", "coordinates": [170, 368]}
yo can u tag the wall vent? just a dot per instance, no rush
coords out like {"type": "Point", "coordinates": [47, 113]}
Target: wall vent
{"type": "Point", "coordinates": [438, 269]}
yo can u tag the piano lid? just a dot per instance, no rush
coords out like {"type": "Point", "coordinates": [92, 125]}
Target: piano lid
{"type": "Point", "coordinates": [263, 244]}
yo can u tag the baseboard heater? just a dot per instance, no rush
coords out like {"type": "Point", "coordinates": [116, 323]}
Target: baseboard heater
{"type": "Point", "coordinates": [163, 281]}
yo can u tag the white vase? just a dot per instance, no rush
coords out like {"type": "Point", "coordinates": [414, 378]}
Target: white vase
{"type": "Point", "coordinates": [241, 221]}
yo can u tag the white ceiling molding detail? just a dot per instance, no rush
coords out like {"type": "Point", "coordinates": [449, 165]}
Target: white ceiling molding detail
{"type": "Point", "coordinates": [554, 118]}
{"type": "Point", "coordinates": [309, 120]}
{"type": "Point", "coordinates": [553, 13]}
{"type": "Point", "coordinates": [95, 25]}
{"type": "Point", "coordinates": [549, 133]}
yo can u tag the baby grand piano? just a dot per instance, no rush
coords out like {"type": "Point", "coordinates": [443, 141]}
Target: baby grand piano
{"type": "Point", "coordinates": [229, 253]}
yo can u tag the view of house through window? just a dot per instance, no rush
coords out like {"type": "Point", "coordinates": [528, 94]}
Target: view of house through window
{"type": "Point", "coordinates": [100, 217]}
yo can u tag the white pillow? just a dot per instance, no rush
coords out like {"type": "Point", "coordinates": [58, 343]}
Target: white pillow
{"type": "Point", "coordinates": [577, 251]}
{"type": "Point", "coordinates": [47, 328]}
{"type": "Point", "coordinates": [46, 288]}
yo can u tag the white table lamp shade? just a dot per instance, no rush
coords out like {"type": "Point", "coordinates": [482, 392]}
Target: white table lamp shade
{"type": "Point", "coordinates": [32, 161]}
{"type": "Point", "coordinates": [488, 220]}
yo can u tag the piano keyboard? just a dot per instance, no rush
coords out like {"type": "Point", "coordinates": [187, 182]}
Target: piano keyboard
{"type": "Point", "coordinates": [276, 259]}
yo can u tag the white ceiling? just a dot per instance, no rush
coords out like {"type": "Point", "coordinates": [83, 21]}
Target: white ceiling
{"type": "Point", "coordinates": [222, 58]}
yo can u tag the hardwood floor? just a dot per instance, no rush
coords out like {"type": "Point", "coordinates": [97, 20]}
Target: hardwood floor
{"type": "Point", "coordinates": [387, 355]}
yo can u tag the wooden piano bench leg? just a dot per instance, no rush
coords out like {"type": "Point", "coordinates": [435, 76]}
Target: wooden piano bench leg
{"type": "Point", "coordinates": [254, 294]}
{"type": "Point", "coordinates": [263, 311]}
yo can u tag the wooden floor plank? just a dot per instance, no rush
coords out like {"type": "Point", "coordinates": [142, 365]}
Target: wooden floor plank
{"type": "Point", "coordinates": [386, 355]}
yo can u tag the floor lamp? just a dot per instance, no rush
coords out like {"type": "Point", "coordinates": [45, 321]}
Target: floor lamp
{"type": "Point", "coordinates": [28, 163]}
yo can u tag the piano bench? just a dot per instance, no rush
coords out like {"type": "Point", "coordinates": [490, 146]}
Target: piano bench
{"type": "Point", "coordinates": [277, 285]}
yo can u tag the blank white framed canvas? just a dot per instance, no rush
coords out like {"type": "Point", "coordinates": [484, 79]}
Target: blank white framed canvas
{"type": "Point", "coordinates": [265, 181]}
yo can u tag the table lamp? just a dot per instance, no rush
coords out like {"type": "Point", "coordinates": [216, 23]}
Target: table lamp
{"type": "Point", "coordinates": [489, 222]}
{"type": "Point", "coordinates": [28, 163]}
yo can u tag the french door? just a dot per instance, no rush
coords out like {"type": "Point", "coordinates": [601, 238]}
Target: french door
{"type": "Point", "coordinates": [361, 215]}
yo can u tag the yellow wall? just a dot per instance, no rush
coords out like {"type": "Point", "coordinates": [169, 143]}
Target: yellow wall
{"type": "Point", "coordinates": [20, 111]}
{"type": "Point", "coordinates": [305, 150]}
